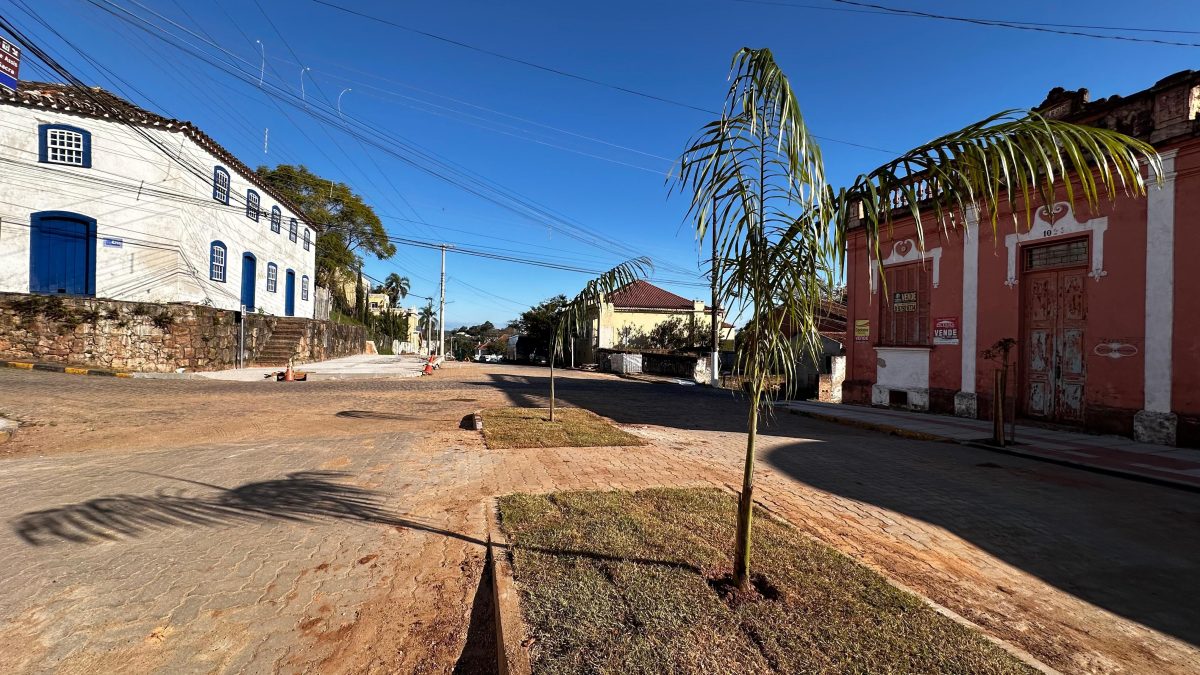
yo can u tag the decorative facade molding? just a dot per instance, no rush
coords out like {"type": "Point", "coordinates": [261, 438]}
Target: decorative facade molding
{"type": "Point", "coordinates": [906, 251]}
{"type": "Point", "coordinates": [1058, 222]}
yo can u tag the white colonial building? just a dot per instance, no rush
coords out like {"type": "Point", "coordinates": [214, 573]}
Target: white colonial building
{"type": "Point", "coordinates": [99, 197]}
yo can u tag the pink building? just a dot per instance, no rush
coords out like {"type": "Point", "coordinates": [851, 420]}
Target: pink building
{"type": "Point", "coordinates": [1104, 306]}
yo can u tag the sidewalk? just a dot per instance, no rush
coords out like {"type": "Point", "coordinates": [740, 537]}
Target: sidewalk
{"type": "Point", "coordinates": [1109, 454]}
{"type": "Point", "coordinates": [349, 367]}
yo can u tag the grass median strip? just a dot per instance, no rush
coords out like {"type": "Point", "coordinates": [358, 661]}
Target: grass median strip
{"type": "Point", "coordinates": [532, 428]}
{"type": "Point", "coordinates": [633, 583]}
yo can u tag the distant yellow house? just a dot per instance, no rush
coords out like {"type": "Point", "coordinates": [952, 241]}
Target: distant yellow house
{"type": "Point", "coordinates": [633, 311]}
{"type": "Point", "coordinates": [378, 303]}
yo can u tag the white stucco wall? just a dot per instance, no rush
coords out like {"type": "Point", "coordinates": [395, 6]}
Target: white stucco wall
{"type": "Point", "coordinates": [164, 255]}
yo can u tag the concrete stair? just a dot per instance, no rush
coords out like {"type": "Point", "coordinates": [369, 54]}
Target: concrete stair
{"type": "Point", "coordinates": [282, 344]}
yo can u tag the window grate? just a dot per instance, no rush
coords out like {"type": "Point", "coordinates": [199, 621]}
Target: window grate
{"type": "Point", "coordinates": [64, 147]}
{"type": "Point", "coordinates": [1056, 255]}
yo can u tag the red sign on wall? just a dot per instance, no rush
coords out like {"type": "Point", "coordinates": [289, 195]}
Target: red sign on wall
{"type": "Point", "coordinates": [945, 330]}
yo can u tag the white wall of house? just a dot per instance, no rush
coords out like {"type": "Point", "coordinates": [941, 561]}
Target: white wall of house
{"type": "Point", "coordinates": [159, 219]}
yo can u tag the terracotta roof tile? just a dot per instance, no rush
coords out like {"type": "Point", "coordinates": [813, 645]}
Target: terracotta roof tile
{"type": "Point", "coordinates": [102, 104]}
{"type": "Point", "coordinates": [645, 295]}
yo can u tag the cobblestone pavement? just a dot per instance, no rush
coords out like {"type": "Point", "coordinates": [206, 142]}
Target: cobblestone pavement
{"type": "Point", "coordinates": [187, 526]}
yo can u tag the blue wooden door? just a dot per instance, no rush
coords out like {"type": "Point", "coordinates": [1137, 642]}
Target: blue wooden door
{"type": "Point", "coordinates": [289, 294]}
{"type": "Point", "coordinates": [249, 278]}
{"type": "Point", "coordinates": [62, 253]}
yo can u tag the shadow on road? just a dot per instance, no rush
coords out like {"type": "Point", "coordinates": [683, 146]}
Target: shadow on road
{"type": "Point", "coordinates": [479, 653]}
{"type": "Point", "coordinates": [377, 415]}
{"type": "Point", "coordinates": [299, 497]}
{"type": "Point", "coordinates": [1111, 542]}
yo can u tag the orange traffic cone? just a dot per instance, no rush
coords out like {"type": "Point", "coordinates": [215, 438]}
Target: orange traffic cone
{"type": "Point", "coordinates": [429, 366]}
{"type": "Point", "coordinates": [288, 375]}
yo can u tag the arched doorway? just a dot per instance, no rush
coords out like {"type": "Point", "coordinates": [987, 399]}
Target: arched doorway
{"type": "Point", "coordinates": [289, 294]}
{"type": "Point", "coordinates": [62, 253]}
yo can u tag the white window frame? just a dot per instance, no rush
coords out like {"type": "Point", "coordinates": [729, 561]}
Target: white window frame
{"type": "Point", "coordinates": [222, 183]}
{"type": "Point", "coordinates": [69, 144]}
{"type": "Point", "coordinates": [252, 206]}
{"type": "Point", "coordinates": [217, 262]}
{"type": "Point", "coordinates": [272, 278]}
{"type": "Point", "coordinates": [304, 287]}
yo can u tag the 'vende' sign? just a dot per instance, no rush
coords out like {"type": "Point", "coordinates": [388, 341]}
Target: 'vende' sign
{"type": "Point", "coordinates": [10, 64]}
{"type": "Point", "coordinates": [904, 302]}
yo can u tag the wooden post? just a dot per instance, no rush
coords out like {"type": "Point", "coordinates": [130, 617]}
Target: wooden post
{"type": "Point", "coordinates": [998, 407]}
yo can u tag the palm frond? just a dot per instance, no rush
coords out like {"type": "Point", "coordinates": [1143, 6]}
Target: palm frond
{"type": "Point", "coordinates": [1012, 161]}
{"type": "Point", "coordinates": [595, 292]}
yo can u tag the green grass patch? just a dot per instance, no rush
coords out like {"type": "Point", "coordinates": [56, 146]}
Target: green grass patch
{"type": "Point", "coordinates": [532, 428]}
{"type": "Point", "coordinates": [618, 582]}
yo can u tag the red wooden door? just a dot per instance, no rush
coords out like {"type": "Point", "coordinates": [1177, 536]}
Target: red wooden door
{"type": "Point", "coordinates": [1055, 306]}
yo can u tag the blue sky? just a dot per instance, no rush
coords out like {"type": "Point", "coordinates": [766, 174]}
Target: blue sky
{"type": "Point", "coordinates": [588, 153]}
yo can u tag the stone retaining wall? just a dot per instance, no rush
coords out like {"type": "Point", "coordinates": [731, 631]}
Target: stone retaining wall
{"type": "Point", "coordinates": [149, 337]}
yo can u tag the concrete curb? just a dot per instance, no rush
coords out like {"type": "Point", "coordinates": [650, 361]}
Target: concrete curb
{"type": "Point", "coordinates": [1017, 652]}
{"type": "Point", "coordinates": [62, 368]}
{"type": "Point", "coordinates": [1013, 450]}
{"type": "Point", "coordinates": [873, 426]}
{"type": "Point", "coordinates": [7, 429]}
{"type": "Point", "coordinates": [472, 421]}
{"type": "Point", "coordinates": [511, 653]}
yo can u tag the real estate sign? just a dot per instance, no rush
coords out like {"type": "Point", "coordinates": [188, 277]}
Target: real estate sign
{"type": "Point", "coordinates": [904, 302]}
{"type": "Point", "coordinates": [10, 64]}
{"type": "Point", "coordinates": [862, 330]}
{"type": "Point", "coordinates": [945, 330]}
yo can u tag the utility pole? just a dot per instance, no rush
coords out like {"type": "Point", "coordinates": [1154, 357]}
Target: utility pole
{"type": "Point", "coordinates": [715, 363]}
{"type": "Point", "coordinates": [442, 308]}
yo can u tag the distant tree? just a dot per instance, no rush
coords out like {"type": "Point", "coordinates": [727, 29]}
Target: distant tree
{"type": "Point", "coordinates": [632, 337]}
{"type": "Point", "coordinates": [427, 321]}
{"type": "Point", "coordinates": [348, 227]}
{"type": "Point", "coordinates": [539, 322]}
{"type": "Point", "coordinates": [672, 334]}
{"type": "Point", "coordinates": [396, 287]}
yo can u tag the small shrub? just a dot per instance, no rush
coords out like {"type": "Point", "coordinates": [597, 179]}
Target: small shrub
{"type": "Point", "coordinates": [163, 320]}
{"type": "Point", "coordinates": [143, 310]}
{"type": "Point", "coordinates": [112, 314]}
{"type": "Point", "coordinates": [91, 316]}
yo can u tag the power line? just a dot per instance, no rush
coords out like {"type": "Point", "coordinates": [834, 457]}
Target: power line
{"type": "Point", "coordinates": [442, 168]}
{"type": "Point", "coordinates": [825, 8]}
{"type": "Point", "coordinates": [995, 23]}
{"type": "Point", "coordinates": [562, 73]}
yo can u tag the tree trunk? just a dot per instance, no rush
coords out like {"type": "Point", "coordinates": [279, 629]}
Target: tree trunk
{"type": "Point", "coordinates": [741, 555]}
{"type": "Point", "coordinates": [552, 355]}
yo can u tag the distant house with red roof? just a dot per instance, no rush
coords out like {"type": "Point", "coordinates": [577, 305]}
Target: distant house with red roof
{"type": "Point", "coordinates": [629, 314]}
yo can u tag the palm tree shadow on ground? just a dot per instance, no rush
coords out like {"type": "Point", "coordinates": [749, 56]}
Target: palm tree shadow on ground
{"type": "Point", "coordinates": [303, 496]}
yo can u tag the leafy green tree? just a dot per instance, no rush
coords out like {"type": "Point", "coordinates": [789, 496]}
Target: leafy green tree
{"type": "Point", "coordinates": [348, 230]}
{"type": "Point", "coordinates": [539, 322]}
{"type": "Point", "coordinates": [756, 178]}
